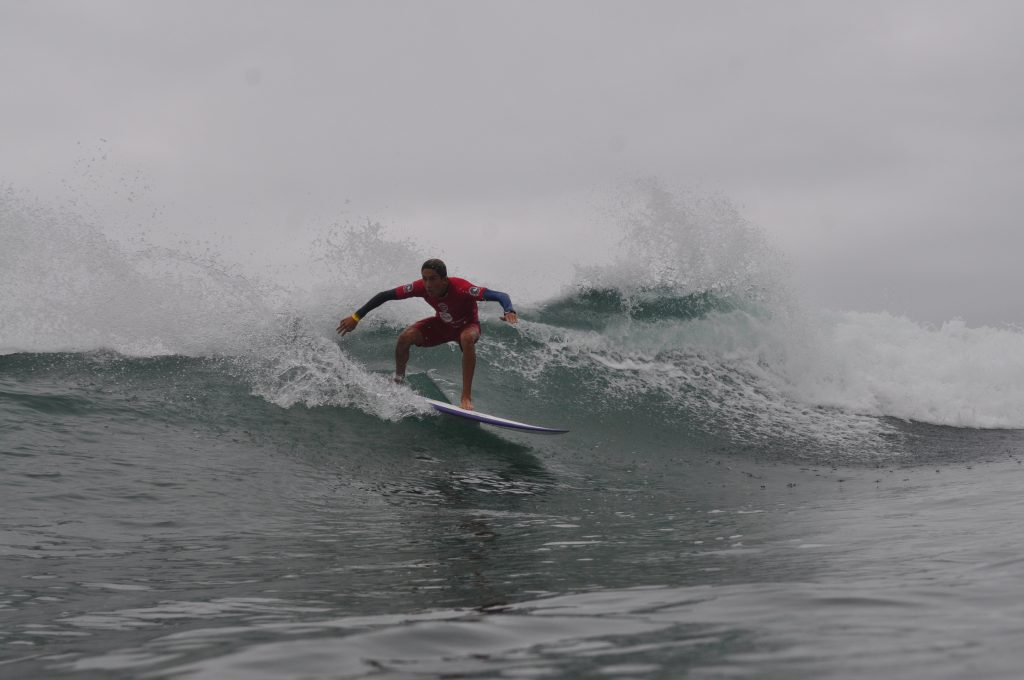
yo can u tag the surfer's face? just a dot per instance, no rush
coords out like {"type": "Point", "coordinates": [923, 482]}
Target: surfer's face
{"type": "Point", "coordinates": [436, 285]}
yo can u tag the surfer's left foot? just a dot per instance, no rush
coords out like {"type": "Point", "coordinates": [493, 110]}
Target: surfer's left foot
{"type": "Point", "coordinates": [399, 379]}
{"type": "Point", "coordinates": [467, 403]}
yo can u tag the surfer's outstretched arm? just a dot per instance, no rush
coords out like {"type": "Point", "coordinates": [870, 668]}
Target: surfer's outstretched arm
{"type": "Point", "coordinates": [506, 304]}
{"type": "Point", "coordinates": [349, 323]}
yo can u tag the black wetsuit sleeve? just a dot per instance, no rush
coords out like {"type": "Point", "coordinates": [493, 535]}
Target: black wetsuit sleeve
{"type": "Point", "coordinates": [376, 301]}
{"type": "Point", "coordinates": [501, 298]}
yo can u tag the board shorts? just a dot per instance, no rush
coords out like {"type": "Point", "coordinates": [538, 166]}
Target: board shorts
{"type": "Point", "coordinates": [437, 332]}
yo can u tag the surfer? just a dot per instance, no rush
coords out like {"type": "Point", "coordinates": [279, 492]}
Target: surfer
{"type": "Point", "coordinates": [455, 301]}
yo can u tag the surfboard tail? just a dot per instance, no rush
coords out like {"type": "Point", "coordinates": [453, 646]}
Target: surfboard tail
{"type": "Point", "coordinates": [488, 419]}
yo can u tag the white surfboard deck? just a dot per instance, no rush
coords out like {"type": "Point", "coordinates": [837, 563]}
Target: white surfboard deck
{"type": "Point", "coordinates": [487, 419]}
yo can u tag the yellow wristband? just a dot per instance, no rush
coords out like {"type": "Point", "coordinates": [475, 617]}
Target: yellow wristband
{"type": "Point", "coordinates": [355, 316]}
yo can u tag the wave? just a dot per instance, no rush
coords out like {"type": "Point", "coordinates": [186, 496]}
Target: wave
{"type": "Point", "coordinates": [590, 308]}
{"type": "Point", "coordinates": [766, 369]}
{"type": "Point", "coordinates": [691, 327]}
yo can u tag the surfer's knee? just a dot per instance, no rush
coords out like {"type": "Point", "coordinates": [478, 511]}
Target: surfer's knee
{"type": "Point", "coordinates": [410, 336]}
{"type": "Point", "coordinates": [468, 338]}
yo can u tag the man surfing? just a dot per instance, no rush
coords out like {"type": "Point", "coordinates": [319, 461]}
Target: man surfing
{"type": "Point", "coordinates": [456, 319]}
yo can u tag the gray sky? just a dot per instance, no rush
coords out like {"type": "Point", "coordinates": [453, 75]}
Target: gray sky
{"type": "Point", "coordinates": [879, 144]}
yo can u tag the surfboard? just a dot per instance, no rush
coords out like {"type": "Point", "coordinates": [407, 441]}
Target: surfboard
{"type": "Point", "coordinates": [488, 419]}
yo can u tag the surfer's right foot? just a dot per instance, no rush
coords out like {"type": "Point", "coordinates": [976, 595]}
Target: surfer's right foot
{"type": "Point", "coordinates": [399, 379]}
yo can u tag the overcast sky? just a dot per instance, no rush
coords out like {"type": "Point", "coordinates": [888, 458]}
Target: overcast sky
{"type": "Point", "coordinates": [880, 145]}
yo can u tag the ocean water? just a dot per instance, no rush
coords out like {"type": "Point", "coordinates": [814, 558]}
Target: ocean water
{"type": "Point", "coordinates": [201, 480]}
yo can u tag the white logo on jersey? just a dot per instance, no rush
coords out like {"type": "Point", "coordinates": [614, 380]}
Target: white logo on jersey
{"type": "Point", "coordinates": [446, 317]}
{"type": "Point", "coordinates": [408, 288]}
{"type": "Point", "coordinates": [474, 291]}
{"type": "Point", "coordinates": [443, 307]}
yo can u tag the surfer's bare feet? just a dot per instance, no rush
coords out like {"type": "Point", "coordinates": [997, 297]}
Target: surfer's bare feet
{"type": "Point", "coordinates": [399, 379]}
{"type": "Point", "coordinates": [467, 403]}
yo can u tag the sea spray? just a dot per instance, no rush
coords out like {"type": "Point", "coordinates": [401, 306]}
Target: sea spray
{"type": "Point", "coordinates": [68, 287]}
{"type": "Point", "coordinates": [694, 318]}
{"type": "Point", "coordinates": [297, 366]}
{"type": "Point", "coordinates": [686, 245]}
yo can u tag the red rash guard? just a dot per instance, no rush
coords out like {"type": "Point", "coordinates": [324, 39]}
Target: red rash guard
{"type": "Point", "coordinates": [458, 306]}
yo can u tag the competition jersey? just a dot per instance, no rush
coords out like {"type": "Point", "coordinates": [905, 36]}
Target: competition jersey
{"type": "Point", "coordinates": [458, 306]}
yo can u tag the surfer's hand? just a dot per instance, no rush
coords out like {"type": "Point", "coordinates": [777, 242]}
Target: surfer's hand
{"type": "Point", "coordinates": [347, 325]}
{"type": "Point", "coordinates": [511, 317]}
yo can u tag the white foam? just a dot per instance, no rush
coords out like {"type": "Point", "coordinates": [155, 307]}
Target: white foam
{"type": "Point", "coordinates": [304, 369]}
{"type": "Point", "coordinates": [832, 375]}
{"type": "Point", "coordinates": [947, 375]}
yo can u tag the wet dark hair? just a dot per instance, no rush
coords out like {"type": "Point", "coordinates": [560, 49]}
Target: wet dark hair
{"type": "Point", "coordinates": [437, 265]}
